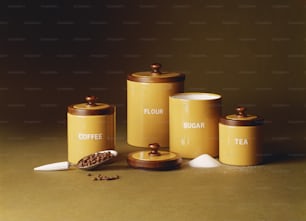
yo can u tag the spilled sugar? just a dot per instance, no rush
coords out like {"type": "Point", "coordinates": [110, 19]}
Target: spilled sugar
{"type": "Point", "coordinates": [204, 161]}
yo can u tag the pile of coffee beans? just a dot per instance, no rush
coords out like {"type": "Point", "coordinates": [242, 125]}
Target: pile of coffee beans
{"type": "Point", "coordinates": [95, 159]}
{"type": "Point", "coordinates": [103, 177]}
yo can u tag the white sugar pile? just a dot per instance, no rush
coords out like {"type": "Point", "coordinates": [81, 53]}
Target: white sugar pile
{"type": "Point", "coordinates": [204, 161]}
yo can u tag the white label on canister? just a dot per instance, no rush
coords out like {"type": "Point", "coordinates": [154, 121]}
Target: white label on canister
{"type": "Point", "coordinates": [193, 125]}
{"type": "Point", "coordinates": [241, 141]}
{"type": "Point", "coordinates": [83, 136]}
{"type": "Point", "coordinates": [153, 111]}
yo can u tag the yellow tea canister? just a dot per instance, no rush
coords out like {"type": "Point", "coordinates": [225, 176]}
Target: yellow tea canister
{"type": "Point", "coordinates": [91, 127]}
{"type": "Point", "coordinates": [148, 105]}
{"type": "Point", "coordinates": [241, 138]}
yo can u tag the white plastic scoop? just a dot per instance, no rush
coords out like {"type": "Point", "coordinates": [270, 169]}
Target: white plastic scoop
{"type": "Point", "coordinates": [89, 162]}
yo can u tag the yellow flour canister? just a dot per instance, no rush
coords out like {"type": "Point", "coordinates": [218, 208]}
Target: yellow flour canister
{"type": "Point", "coordinates": [240, 138]}
{"type": "Point", "coordinates": [91, 127]}
{"type": "Point", "coordinates": [194, 119]}
{"type": "Point", "coordinates": [148, 105]}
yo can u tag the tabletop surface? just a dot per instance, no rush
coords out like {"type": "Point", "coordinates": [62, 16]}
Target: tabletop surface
{"type": "Point", "coordinates": [274, 190]}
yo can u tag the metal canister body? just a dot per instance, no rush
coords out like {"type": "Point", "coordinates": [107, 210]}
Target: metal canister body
{"type": "Point", "coordinates": [241, 139]}
{"type": "Point", "coordinates": [148, 106]}
{"type": "Point", "coordinates": [194, 121]}
{"type": "Point", "coordinates": [91, 127]}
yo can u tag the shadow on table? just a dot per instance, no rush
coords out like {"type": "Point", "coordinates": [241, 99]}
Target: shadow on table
{"type": "Point", "coordinates": [285, 151]}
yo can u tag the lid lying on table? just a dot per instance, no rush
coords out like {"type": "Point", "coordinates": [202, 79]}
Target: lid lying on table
{"type": "Point", "coordinates": [155, 76]}
{"type": "Point", "coordinates": [154, 159]}
{"type": "Point", "coordinates": [241, 118]}
{"type": "Point", "coordinates": [91, 108]}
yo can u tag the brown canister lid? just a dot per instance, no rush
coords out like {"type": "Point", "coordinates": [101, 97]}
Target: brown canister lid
{"type": "Point", "coordinates": [154, 159]}
{"type": "Point", "coordinates": [91, 108]}
{"type": "Point", "coordinates": [156, 76]}
{"type": "Point", "coordinates": [241, 118]}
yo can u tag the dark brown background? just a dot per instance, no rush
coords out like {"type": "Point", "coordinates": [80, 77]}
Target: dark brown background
{"type": "Point", "coordinates": [53, 53]}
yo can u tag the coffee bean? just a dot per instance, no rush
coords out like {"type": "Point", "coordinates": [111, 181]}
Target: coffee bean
{"type": "Point", "coordinates": [102, 177]}
{"type": "Point", "coordinates": [94, 159]}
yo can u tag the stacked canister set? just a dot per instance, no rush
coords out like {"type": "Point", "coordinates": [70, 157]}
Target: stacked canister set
{"type": "Point", "coordinates": [161, 115]}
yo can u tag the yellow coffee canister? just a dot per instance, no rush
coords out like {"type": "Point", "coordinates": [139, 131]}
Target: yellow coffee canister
{"type": "Point", "coordinates": [148, 105]}
{"type": "Point", "coordinates": [91, 127]}
{"type": "Point", "coordinates": [241, 138]}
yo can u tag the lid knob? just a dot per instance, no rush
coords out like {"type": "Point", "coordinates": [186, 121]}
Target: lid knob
{"type": "Point", "coordinates": [91, 100]}
{"type": "Point", "coordinates": [155, 68]}
{"type": "Point", "coordinates": [154, 149]}
{"type": "Point", "coordinates": [241, 112]}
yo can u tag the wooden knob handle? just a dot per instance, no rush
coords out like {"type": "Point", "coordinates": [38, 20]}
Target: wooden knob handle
{"type": "Point", "coordinates": [155, 68]}
{"type": "Point", "coordinates": [241, 111]}
{"type": "Point", "coordinates": [91, 100]}
{"type": "Point", "coordinates": [154, 149]}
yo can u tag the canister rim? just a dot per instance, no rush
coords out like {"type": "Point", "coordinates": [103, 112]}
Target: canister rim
{"type": "Point", "coordinates": [197, 96]}
{"type": "Point", "coordinates": [165, 161]}
{"type": "Point", "coordinates": [91, 107]}
{"type": "Point", "coordinates": [154, 159]}
{"type": "Point", "coordinates": [99, 109]}
{"type": "Point", "coordinates": [156, 76]}
{"type": "Point", "coordinates": [147, 77]}
{"type": "Point", "coordinates": [241, 118]}
{"type": "Point", "coordinates": [230, 122]}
